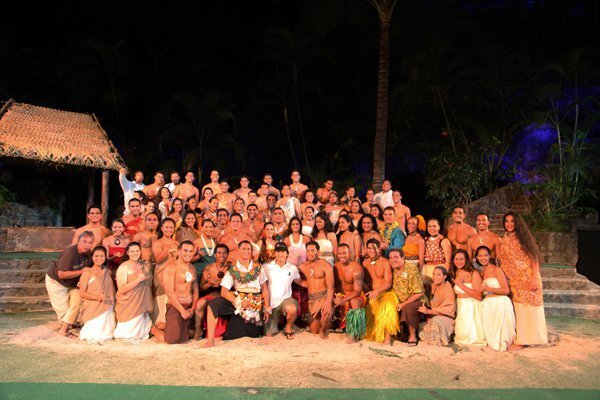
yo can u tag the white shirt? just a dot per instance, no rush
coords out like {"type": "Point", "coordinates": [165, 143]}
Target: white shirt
{"type": "Point", "coordinates": [280, 281]}
{"type": "Point", "coordinates": [129, 188]}
{"type": "Point", "coordinates": [171, 186]}
{"type": "Point", "coordinates": [384, 199]}
{"type": "Point", "coordinates": [255, 285]}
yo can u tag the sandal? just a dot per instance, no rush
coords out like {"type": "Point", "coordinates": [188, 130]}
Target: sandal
{"type": "Point", "coordinates": [412, 343]}
{"type": "Point", "coordinates": [288, 335]}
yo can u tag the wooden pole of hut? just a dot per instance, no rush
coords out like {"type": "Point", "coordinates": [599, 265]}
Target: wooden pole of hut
{"type": "Point", "coordinates": [104, 196]}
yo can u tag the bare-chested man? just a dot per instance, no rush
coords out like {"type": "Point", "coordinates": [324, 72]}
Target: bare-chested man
{"type": "Point", "coordinates": [226, 199]}
{"type": "Point", "coordinates": [187, 189]}
{"type": "Point", "coordinates": [252, 198]}
{"type": "Point", "coordinates": [323, 192]}
{"type": "Point", "coordinates": [182, 293]}
{"type": "Point", "coordinates": [349, 282]}
{"type": "Point", "coordinates": [263, 193]}
{"type": "Point", "coordinates": [459, 232]}
{"type": "Point", "coordinates": [94, 225]}
{"type": "Point", "coordinates": [165, 250]}
{"type": "Point", "coordinates": [134, 222]}
{"type": "Point", "coordinates": [243, 190]}
{"type": "Point", "coordinates": [239, 207]}
{"type": "Point", "coordinates": [214, 183]}
{"type": "Point", "coordinates": [234, 236]}
{"type": "Point", "coordinates": [222, 225]}
{"type": "Point", "coordinates": [151, 191]}
{"type": "Point", "coordinates": [484, 237]}
{"type": "Point", "coordinates": [252, 226]}
{"type": "Point", "coordinates": [298, 188]}
{"type": "Point", "coordinates": [268, 179]}
{"type": "Point", "coordinates": [147, 237]}
{"type": "Point", "coordinates": [320, 283]}
{"type": "Point", "coordinates": [279, 225]}
{"type": "Point", "coordinates": [266, 215]}
{"type": "Point", "coordinates": [210, 284]}
{"type": "Point", "coordinates": [382, 317]}
{"type": "Point", "coordinates": [402, 212]}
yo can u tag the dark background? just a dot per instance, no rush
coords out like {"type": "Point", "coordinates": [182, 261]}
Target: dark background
{"type": "Point", "coordinates": [204, 84]}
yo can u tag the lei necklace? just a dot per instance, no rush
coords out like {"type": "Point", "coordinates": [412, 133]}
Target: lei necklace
{"type": "Point", "coordinates": [386, 230]}
{"type": "Point", "coordinates": [244, 277]}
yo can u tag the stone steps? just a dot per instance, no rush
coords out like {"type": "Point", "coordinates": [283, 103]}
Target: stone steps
{"type": "Point", "coordinates": [22, 289]}
{"type": "Point", "coordinates": [25, 303]}
{"type": "Point", "coordinates": [22, 275]}
{"type": "Point", "coordinates": [572, 310]}
{"type": "Point", "coordinates": [578, 283]}
{"type": "Point", "coordinates": [549, 272]}
{"type": "Point", "coordinates": [582, 297]}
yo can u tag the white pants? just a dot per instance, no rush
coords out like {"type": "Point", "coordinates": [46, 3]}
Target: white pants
{"type": "Point", "coordinates": [65, 301]}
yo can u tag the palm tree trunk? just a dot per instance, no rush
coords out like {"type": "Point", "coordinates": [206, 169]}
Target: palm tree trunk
{"type": "Point", "coordinates": [288, 131]}
{"type": "Point", "coordinates": [381, 121]}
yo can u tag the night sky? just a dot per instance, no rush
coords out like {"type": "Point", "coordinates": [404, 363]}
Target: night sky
{"type": "Point", "coordinates": [213, 78]}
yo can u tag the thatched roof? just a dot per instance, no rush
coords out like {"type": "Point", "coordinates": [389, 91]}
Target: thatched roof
{"type": "Point", "coordinates": [46, 134]}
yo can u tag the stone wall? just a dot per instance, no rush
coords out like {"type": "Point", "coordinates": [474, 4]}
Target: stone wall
{"type": "Point", "coordinates": [501, 200]}
{"type": "Point", "coordinates": [21, 215]}
{"type": "Point", "coordinates": [558, 247]}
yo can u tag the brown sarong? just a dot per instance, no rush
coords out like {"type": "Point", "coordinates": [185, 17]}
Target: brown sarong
{"type": "Point", "coordinates": [137, 301]}
{"type": "Point", "coordinates": [177, 328]}
{"type": "Point", "coordinates": [102, 285]}
{"type": "Point", "coordinates": [315, 303]}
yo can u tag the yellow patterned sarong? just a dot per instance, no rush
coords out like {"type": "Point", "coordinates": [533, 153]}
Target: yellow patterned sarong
{"type": "Point", "coordinates": [382, 317]}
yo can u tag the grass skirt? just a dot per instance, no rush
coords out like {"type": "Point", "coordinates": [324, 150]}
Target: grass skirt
{"type": "Point", "coordinates": [382, 317]}
{"type": "Point", "coordinates": [356, 323]}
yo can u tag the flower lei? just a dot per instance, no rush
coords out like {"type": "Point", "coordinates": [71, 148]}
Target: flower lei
{"type": "Point", "coordinates": [244, 277]}
{"type": "Point", "coordinates": [386, 230]}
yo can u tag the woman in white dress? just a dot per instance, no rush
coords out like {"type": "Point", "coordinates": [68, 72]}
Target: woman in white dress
{"type": "Point", "coordinates": [468, 329]}
{"type": "Point", "coordinates": [497, 309]}
{"type": "Point", "coordinates": [290, 205]}
{"type": "Point", "coordinates": [98, 299]}
{"type": "Point", "coordinates": [323, 234]}
{"type": "Point", "coordinates": [308, 222]}
{"type": "Point", "coordinates": [134, 297]}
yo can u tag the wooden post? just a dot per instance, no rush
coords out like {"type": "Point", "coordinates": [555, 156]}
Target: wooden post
{"type": "Point", "coordinates": [104, 196]}
{"type": "Point", "coordinates": [90, 188]}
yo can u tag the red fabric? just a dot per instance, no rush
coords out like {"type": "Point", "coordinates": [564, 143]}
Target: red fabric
{"type": "Point", "coordinates": [221, 322]}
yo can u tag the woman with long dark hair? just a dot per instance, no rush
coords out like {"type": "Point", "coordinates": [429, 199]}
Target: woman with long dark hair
{"type": "Point", "coordinates": [519, 257]}
{"type": "Point", "coordinates": [98, 299]}
{"type": "Point", "coordinates": [323, 234]}
{"type": "Point", "coordinates": [469, 292]}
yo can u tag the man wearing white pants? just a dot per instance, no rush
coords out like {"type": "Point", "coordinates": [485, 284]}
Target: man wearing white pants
{"type": "Point", "coordinates": [62, 279]}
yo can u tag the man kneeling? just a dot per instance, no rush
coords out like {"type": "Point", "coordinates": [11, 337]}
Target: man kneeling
{"type": "Point", "coordinates": [182, 294]}
{"type": "Point", "coordinates": [281, 274]}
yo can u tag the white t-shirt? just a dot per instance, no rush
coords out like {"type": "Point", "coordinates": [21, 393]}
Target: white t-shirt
{"type": "Point", "coordinates": [280, 281]}
{"type": "Point", "coordinates": [228, 281]}
{"type": "Point", "coordinates": [384, 199]}
{"type": "Point", "coordinates": [129, 188]}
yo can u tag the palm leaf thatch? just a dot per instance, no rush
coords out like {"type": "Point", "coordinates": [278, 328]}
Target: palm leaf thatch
{"type": "Point", "coordinates": [56, 136]}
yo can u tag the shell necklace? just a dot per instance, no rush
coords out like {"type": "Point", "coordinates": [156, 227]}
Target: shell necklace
{"type": "Point", "coordinates": [209, 251]}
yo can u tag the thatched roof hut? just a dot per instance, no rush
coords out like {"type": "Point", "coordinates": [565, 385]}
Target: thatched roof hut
{"type": "Point", "coordinates": [46, 134]}
{"type": "Point", "coordinates": [56, 136]}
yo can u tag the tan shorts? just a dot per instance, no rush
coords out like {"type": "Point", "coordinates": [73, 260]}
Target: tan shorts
{"type": "Point", "coordinates": [271, 325]}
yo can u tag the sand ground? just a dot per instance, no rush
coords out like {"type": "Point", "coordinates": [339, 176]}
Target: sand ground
{"type": "Point", "coordinates": [31, 351]}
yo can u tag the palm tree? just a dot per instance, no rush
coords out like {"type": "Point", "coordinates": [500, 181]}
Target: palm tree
{"type": "Point", "coordinates": [385, 9]}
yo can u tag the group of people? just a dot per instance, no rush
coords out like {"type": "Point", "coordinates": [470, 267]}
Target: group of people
{"type": "Point", "coordinates": [184, 263]}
